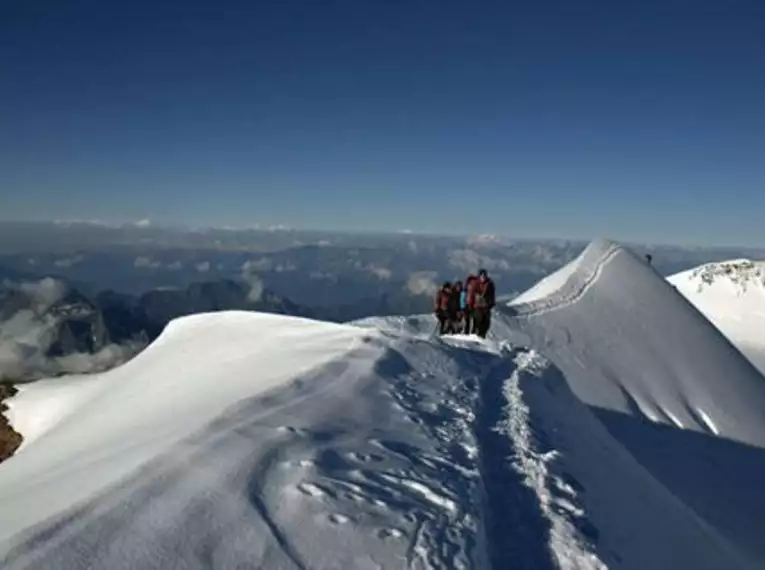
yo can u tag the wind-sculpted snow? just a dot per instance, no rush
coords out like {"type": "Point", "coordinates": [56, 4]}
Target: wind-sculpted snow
{"type": "Point", "coordinates": [364, 455]}
{"type": "Point", "coordinates": [677, 396]}
{"type": "Point", "coordinates": [111, 424]}
{"type": "Point", "coordinates": [605, 424]}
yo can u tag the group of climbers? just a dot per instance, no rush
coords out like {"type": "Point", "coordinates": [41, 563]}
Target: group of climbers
{"type": "Point", "coordinates": [466, 308]}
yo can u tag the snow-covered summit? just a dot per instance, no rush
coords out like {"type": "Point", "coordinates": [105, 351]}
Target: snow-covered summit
{"type": "Point", "coordinates": [739, 276]}
{"type": "Point", "coordinates": [634, 345]}
{"type": "Point", "coordinates": [731, 294]}
{"type": "Point", "coordinates": [606, 424]}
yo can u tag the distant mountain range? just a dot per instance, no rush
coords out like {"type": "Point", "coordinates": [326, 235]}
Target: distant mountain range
{"type": "Point", "coordinates": [49, 327]}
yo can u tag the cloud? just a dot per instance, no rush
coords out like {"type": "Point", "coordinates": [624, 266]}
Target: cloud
{"type": "Point", "coordinates": [285, 267]}
{"type": "Point", "coordinates": [471, 261]}
{"type": "Point", "coordinates": [262, 264]}
{"type": "Point", "coordinates": [256, 289]}
{"type": "Point", "coordinates": [203, 267]}
{"type": "Point", "coordinates": [146, 262]}
{"type": "Point", "coordinates": [22, 361]}
{"type": "Point", "coordinates": [254, 282]}
{"type": "Point", "coordinates": [382, 273]}
{"type": "Point", "coordinates": [319, 275]}
{"type": "Point", "coordinates": [422, 283]}
{"type": "Point", "coordinates": [412, 246]}
{"type": "Point", "coordinates": [28, 333]}
{"type": "Point", "coordinates": [69, 261]}
{"type": "Point", "coordinates": [43, 293]}
{"type": "Point", "coordinates": [106, 358]}
{"type": "Point", "coordinates": [25, 331]}
{"type": "Point", "coordinates": [145, 223]}
{"type": "Point", "coordinates": [175, 266]}
{"type": "Point", "coordinates": [486, 239]}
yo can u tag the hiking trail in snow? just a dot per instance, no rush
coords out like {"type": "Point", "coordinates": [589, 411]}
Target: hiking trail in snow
{"type": "Point", "coordinates": [591, 431]}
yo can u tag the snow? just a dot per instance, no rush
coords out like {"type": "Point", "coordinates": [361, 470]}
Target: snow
{"type": "Point", "coordinates": [731, 294]}
{"type": "Point", "coordinates": [119, 421]}
{"type": "Point", "coordinates": [252, 440]}
{"type": "Point", "coordinates": [670, 390]}
{"type": "Point", "coordinates": [605, 424]}
{"type": "Point", "coordinates": [40, 406]}
{"type": "Point", "coordinates": [549, 285]}
{"type": "Point", "coordinates": [568, 545]}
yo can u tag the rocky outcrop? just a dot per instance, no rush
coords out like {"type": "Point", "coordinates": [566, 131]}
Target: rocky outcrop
{"type": "Point", "coordinates": [10, 440]}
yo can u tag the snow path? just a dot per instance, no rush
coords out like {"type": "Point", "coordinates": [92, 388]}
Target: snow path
{"type": "Point", "coordinates": [606, 426]}
{"type": "Point", "coordinates": [669, 388]}
{"type": "Point", "coordinates": [568, 543]}
{"type": "Point", "coordinates": [370, 453]}
{"type": "Point", "coordinates": [380, 453]}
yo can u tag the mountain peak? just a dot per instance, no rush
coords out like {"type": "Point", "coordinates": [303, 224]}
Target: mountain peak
{"type": "Point", "coordinates": [741, 275]}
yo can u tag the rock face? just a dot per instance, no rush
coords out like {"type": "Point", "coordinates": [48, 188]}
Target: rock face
{"type": "Point", "coordinates": [10, 440]}
{"type": "Point", "coordinates": [741, 273]}
{"type": "Point", "coordinates": [49, 328]}
{"type": "Point", "coordinates": [80, 326]}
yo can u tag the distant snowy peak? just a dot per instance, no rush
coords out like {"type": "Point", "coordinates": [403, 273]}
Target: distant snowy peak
{"type": "Point", "coordinates": [739, 276]}
{"type": "Point", "coordinates": [731, 294]}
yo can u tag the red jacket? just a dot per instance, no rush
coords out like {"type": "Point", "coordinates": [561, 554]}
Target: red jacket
{"type": "Point", "coordinates": [484, 296]}
{"type": "Point", "coordinates": [442, 300]}
{"type": "Point", "coordinates": [472, 288]}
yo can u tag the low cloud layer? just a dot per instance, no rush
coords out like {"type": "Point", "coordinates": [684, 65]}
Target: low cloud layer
{"type": "Point", "coordinates": [262, 264]}
{"type": "Point", "coordinates": [254, 282]}
{"type": "Point", "coordinates": [69, 261]}
{"type": "Point", "coordinates": [146, 262]}
{"type": "Point", "coordinates": [422, 283]}
{"type": "Point", "coordinates": [470, 261]}
{"type": "Point", "coordinates": [42, 294]}
{"type": "Point", "coordinates": [27, 334]}
{"type": "Point", "coordinates": [382, 273]}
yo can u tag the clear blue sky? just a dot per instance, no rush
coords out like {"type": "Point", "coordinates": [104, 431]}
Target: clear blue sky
{"type": "Point", "coordinates": [637, 120]}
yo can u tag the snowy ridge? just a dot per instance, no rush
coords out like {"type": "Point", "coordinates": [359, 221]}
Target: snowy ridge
{"type": "Point", "coordinates": [568, 284]}
{"type": "Point", "coordinates": [605, 425]}
{"type": "Point", "coordinates": [148, 399]}
{"type": "Point", "coordinates": [608, 301]}
{"type": "Point", "coordinates": [668, 387]}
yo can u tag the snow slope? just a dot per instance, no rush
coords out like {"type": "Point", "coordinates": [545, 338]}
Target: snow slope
{"type": "Point", "coordinates": [668, 387]}
{"type": "Point", "coordinates": [606, 424]}
{"type": "Point", "coordinates": [253, 440]}
{"type": "Point", "coordinates": [731, 294]}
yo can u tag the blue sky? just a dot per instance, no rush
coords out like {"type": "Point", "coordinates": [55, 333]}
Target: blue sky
{"type": "Point", "coordinates": [640, 120]}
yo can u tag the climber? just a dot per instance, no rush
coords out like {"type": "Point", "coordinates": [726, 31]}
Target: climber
{"type": "Point", "coordinates": [483, 304]}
